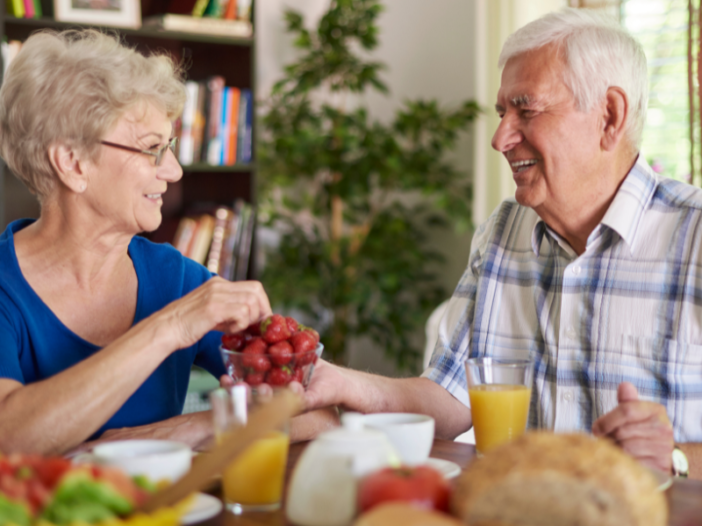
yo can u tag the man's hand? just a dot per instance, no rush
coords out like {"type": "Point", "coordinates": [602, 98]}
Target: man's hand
{"type": "Point", "coordinates": [640, 428]}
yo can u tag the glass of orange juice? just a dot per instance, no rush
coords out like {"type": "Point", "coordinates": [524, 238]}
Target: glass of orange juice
{"type": "Point", "coordinates": [254, 479]}
{"type": "Point", "coordinates": [499, 391]}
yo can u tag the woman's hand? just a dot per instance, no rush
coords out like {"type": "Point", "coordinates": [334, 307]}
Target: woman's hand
{"type": "Point", "coordinates": [216, 305]}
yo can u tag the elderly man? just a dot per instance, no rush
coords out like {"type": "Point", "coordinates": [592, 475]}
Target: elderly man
{"type": "Point", "coordinates": [595, 272]}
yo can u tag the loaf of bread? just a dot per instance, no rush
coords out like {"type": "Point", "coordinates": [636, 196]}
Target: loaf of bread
{"type": "Point", "coordinates": [546, 479]}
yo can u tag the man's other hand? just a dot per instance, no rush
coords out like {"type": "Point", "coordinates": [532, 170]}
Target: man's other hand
{"type": "Point", "coordinates": [640, 428]}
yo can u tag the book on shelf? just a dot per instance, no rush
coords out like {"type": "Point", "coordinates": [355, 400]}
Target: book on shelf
{"type": "Point", "coordinates": [205, 25]}
{"type": "Point", "coordinates": [232, 125]}
{"type": "Point", "coordinates": [15, 8]}
{"type": "Point", "coordinates": [187, 119]}
{"type": "Point", "coordinates": [185, 234]}
{"type": "Point", "coordinates": [243, 11]}
{"type": "Point", "coordinates": [212, 151]}
{"type": "Point", "coordinates": [223, 217]}
{"type": "Point", "coordinates": [203, 239]}
{"type": "Point", "coordinates": [199, 8]}
{"type": "Point", "coordinates": [199, 121]}
{"type": "Point", "coordinates": [28, 8]}
{"type": "Point", "coordinates": [230, 11]}
{"type": "Point", "coordinates": [243, 151]}
{"type": "Point", "coordinates": [247, 221]}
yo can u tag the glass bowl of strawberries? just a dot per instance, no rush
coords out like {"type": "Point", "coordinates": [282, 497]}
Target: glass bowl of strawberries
{"type": "Point", "coordinates": [276, 351]}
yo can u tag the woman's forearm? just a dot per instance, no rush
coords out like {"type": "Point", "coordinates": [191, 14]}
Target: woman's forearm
{"type": "Point", "coordinates": [56, 414]}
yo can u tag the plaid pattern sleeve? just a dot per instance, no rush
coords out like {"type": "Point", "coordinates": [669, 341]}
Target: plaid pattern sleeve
{"type": "Point", "coordinates": [628, 309]}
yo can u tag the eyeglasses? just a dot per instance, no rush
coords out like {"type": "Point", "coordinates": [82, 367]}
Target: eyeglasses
{"type": "Point", "coordinates": [158, 154]}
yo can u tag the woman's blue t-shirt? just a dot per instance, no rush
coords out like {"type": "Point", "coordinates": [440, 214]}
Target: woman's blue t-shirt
{"type": "Point", "coordinates": [35, 344]}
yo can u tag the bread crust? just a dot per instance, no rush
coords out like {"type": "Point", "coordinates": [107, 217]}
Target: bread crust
{"type": "Point", "coordinates": [403, 514]}
{"type": "Point", "coordinates": [551, 479]}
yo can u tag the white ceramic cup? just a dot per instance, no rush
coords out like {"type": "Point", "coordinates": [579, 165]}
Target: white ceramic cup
{"type": "Point", "coordinates": [411, 434]}
{"type": "Point", "coordinates": [155, 459]}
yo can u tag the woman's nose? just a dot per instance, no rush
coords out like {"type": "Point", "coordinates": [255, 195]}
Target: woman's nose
{"type": "Point", "coordinates": [170, 170]}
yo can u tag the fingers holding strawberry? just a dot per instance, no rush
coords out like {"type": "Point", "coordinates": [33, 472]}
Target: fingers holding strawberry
{"type": "Point", "coordinates": [218, 304]}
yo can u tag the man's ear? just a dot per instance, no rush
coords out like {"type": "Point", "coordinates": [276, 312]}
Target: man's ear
{"type": "Point", "coordinates": [615, 117]}
{"type": "Point", "coordinates": [68, 166]}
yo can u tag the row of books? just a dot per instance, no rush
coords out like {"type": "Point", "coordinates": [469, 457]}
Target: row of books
{"type": "Point", "coordinates": [216, 17]}
{"type": "Point", "coordinates": [24, 8]}
{"type": "Point", "coordinates": [220, 240]}
{"type": "Point", "coordinates": [216, 126]}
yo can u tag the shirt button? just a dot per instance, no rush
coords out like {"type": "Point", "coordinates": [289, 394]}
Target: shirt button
{"type": "Point", "coordinates": [570, 333]}
{"type": "Point", "coordinates": [577, 270]}
{"type": "Point", "coordinates": [567, 396]}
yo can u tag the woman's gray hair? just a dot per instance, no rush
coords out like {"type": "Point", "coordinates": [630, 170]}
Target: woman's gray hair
{"type": "Point", "coordinates": [599, 54]}
{"type": "Point", "coordinates": [71, 88]}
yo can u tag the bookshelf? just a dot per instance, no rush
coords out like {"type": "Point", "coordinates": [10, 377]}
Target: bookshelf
{"type": "Point", "coordinates": [203, 56]}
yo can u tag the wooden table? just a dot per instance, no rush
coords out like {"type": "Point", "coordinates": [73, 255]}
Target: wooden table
{"type": "Point", "coordinates": [684, 497]}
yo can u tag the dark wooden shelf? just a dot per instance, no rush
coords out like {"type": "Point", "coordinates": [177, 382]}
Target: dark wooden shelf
{"type": "Point", "coordinates": [45, 22]}
{"type": "Point", "coordinates": [204, 167]}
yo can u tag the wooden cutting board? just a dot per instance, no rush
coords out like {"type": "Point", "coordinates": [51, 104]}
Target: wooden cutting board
{"type": "Point", "coordinates": [266, 418]}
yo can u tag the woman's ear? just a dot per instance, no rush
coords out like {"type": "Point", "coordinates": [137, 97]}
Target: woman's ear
{"type": "Point", "coordinates": [616, 116]}
{"type": "Point", "coordinates": [68, 167]}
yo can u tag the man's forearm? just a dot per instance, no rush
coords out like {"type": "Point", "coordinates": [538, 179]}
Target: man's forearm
{"type": "Point", "coordinates": [693, 452]}
{"type": "Point", "coordinates": [370, 393]}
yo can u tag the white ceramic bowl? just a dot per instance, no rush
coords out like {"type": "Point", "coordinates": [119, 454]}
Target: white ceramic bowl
{"type": "Point", "coordinates": [155, 459]}
{"type": "Point", "coordinates": [412, 434]}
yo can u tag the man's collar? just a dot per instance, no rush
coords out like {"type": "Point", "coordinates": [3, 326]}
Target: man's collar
{"type": "Point", "coordinates": [625, 213]}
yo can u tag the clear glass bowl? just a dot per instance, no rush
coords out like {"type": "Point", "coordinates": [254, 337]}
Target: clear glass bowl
{"type": "Point", "coordinates": [256, 369]}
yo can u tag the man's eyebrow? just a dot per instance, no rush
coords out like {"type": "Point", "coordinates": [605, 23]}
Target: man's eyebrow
{"type": "Point", "coordinates": [522, 100]}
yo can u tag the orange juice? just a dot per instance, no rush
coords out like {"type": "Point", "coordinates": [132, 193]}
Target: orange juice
{"type": "Point", "coordinates": [256, 476]}
{"type": "Point", "coordinates": [499, 413]}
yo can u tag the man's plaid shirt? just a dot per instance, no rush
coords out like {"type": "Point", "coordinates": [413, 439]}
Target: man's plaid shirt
{"type": "Point", "coordinates": [628, 309]}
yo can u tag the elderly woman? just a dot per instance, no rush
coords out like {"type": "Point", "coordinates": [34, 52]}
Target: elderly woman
{"type": "Point", "coordinates": [99, 327]}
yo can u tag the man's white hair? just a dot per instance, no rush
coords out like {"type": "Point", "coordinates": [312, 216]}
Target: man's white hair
{"type": "Point", "coordinates": [598, 53]}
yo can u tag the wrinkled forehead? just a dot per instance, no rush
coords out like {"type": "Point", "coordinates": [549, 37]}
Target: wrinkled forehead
{"type": "Point", "coordinates": [145, 117]}
{"type": "Point", "coordinates": [531, 76]}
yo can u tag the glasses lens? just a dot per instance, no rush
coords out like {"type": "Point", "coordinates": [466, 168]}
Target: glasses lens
{"type": "Point", "coordinates": [162, 152]}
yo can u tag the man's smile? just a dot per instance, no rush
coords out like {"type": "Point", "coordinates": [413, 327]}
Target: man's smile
{"type": "Point", "coordinates": [519, 166]}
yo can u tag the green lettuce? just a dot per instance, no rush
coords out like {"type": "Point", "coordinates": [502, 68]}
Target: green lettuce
{"type": "Point", "coordinates": [13, 513]}
{"type": "Point", "coordinates": [81, 498]}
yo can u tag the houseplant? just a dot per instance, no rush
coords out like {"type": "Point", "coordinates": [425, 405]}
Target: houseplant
{"type": "Point", "coordinates": [353, 197]}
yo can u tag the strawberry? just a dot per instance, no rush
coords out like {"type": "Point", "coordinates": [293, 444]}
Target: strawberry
{"type": "Point", "coordinates": [260, 363]}
{"type": "Point", "coordinates": [281, 353]}
{"type": "Point", "coordinates": [279, 376]}
{"type": "Point", "coordinates": [304, 344]}
{"type": "Point", "coordinates": [254, 329]}
{"type": "Point", "coordinates": [255, 346]}
{"type": "Point", "coordinates": [236, 341]}
{"type": "Point", "coordinates": [274, 329]}
{"type": "Point", "coordinates": [254, 379]}
{"type": "Point", "coordinates": [253, 355]}
{"type": "Point", "coordinates": [293, 326]}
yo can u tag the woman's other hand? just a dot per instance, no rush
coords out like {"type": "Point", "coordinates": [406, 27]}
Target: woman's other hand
{"type": "Point", "coordinates": [216, 305]}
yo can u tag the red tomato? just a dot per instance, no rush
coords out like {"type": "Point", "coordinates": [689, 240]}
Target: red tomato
{"type": "Point", "coordinates": [51, 469]}
{"type": "Point", "coordinates": [420, 486]}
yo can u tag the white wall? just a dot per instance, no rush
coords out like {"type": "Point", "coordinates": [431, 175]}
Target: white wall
{"type": "Point", "coordinates": [428, 48]}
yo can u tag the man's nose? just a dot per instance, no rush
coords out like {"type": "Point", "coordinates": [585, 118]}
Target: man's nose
{"type": "Point", "coordinates": [507, 135]}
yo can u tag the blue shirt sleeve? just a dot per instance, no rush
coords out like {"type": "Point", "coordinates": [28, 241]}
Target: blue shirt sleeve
{"type": "Point", "coordinates": [10, 366]}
